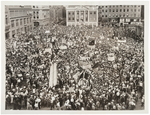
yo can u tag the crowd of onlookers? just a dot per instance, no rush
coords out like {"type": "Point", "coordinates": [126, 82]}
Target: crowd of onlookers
{"type": "Point", "coordinates": [104, 85]}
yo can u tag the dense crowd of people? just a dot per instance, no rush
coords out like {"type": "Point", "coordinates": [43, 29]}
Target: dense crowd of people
{"type": "Point", "coordinates": [87, 79]}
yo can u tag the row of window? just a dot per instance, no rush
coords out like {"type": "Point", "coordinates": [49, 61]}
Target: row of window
{"type": "Point", "coordinates": [36, 17]}
{"type": "Point", "coordinates": [86, 19]}
{"type": "Point", "coordinates": [20, 22]}
{"type": "Point", "coordinates": [43, 13]}
{"type": "Point", "coordinates": [135, 15]}
{"type": "Point", "coordinates": [6, 19]}
{"type": "Point", "coordinates": [35, 6]}
{"type": "Point", "coordinates": [70, 18]}
{"type": "Point", "coordinates": [121, 10]}
{"type": "Point", "coordinates": [121, 6]}
{"type": "Point", "coordinates": [35, 12]}
{"type": "Point", "coordinates": [28, 28]}
{"type": "Point", "coordinates": [18, 13]}
{"type": "Point", "coordinates": [78, 13]}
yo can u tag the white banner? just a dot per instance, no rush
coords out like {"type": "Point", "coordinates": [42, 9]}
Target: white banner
{"type": "Point", "coordinates": [122, 41]}
{"type": "Point", "coordinates": [48, 50]}
{"type": "Point", "coordinates": [63, 47]}
{"type": "Point", "coordinates": [53, 75]}
{"type": "Point", "coordinates": [111, 57]}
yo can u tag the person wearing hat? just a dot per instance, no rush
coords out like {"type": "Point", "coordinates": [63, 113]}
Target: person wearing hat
{"type": "Point", "coordinates": [29, 106]}
{"type": "Point", "coordinates": [72, 102]}
{"type": "Point", "coordinates": [8, 100]}
{"type": "Point", "coordinates": [97, 105]}
{"type": "Point", "coordinates": [11, 100]}
{"type": "Point", "coordinates": [36, 105]}
{"type": "Point", "coordinates": [32, 101]}
{"type": "Point", "coordinates": [52, 101]}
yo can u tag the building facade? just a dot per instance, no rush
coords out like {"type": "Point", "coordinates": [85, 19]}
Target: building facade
{"type": "Point", "coordinates": [7, 23]}
{"type": "Point", "coordinates": [52, 13]}
{"type": "Point", "coordinates": [57, 12]}
{"type": "Point", "coordinates": [124, 14]}
{"type": "Point", "coordinates": [19, 18]}
{"type": "Point", "coordinates": [40, 15]}
{"type": "Point", "coordinates": [82, 15]}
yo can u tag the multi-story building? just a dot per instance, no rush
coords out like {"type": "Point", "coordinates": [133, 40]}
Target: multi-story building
{"type": "Point", "coordinates": [20, 19]}
{"type": "Point", "coordinates": [124, 14]}
{"type": "Point", "coordinates": [40, 15]}
{"type": "Point", "coordinates": [52, 13]}
{"type": "Point", "coordinates": [57, 12]}
{"type": "Point", "coordinates": [82, 15]}
{"type": "Point", "coordinates": [142, 12]}
{"type": "Point", "coordinates": [64, 12]}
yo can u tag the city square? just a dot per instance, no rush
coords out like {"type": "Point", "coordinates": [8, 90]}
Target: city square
{"type": "Point", "coordinates": [74, 57]}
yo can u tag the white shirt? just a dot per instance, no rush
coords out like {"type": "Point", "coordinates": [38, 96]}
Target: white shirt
{"type": "Point", "coordinates": [82, 108]}
{"type": "Point", "coordinates": [38, 100]}
{"type": "Point", "coordinates": [19, 80]}
{"type": "Point", "coordinates": [33, 90]}
{"type": "Point", "coordinates": [36, 105]}
{"type": "Point", "coordinates": [118, 93]}
{"type": "Point", "coordinates": [58, 104]}
{"type": "Point", "coordinates": [67, 103]}
{"type": "Point", "coordinates": [141, 84]}
{"type": "Point", "coordinates": [12, 97]}
{"type": "Point", "coordinates": [72, 100]}
{"type": "Point", "coordinates": [53, 98]}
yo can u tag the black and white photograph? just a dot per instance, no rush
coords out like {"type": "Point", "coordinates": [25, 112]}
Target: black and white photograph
{"type": "Point", "coordinates": [74, 57]}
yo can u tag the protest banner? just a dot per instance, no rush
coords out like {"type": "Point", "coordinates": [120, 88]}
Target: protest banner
{"type": "Point", "coordinates": [48, 50]}
{"type": "Point", "coordinates": [47, 31]}
{"type": "Point", "coordinates": [63, 47]}
{"type": "Point", "coordinates": [111, 57]}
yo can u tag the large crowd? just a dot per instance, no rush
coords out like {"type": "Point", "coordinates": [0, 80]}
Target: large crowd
{"type": "Point", "coordinates": [87, 79]}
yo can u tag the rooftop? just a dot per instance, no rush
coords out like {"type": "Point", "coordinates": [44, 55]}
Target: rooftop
{"type": "Point", "coordinates": [84, 7]}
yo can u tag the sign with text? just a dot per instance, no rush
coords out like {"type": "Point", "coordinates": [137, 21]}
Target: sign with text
{"type": "Point", "coordinates": [122, 41]}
